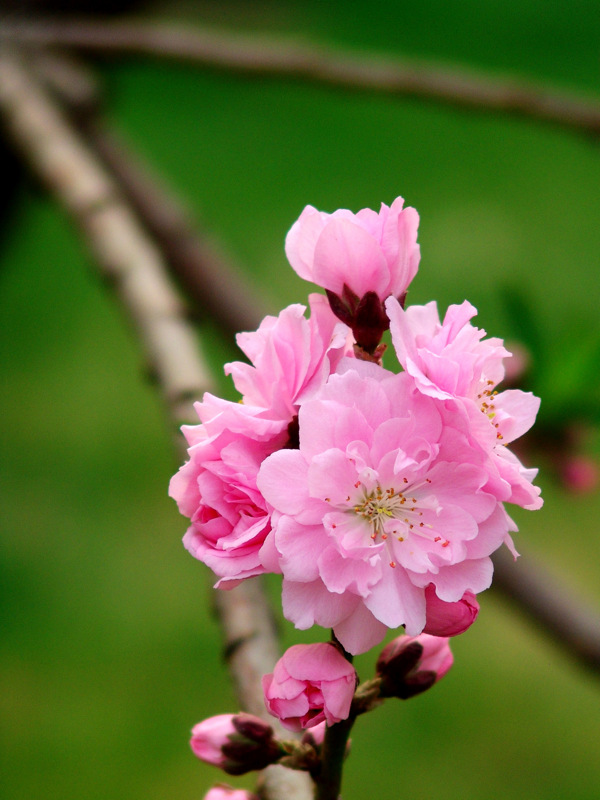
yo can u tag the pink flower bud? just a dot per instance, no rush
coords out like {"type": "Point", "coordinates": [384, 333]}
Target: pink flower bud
{"type": "Point", "coordinates": [410, 665]}
{"type": "Point", "coordinates": [360, 260]}
{"type": "Point", "coordinates": [449, 619]}
{"type": "Point", "coordinates": [237, 743]}
{"type": "Point", "coordinates": [224, 792]}
{"type": "Point", "coordinates": [311, 683]}
{"type": "Point", "coordinates": [367, 251]}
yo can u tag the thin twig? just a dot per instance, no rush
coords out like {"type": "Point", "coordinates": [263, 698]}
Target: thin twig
{"type": "Point", "coordinates": [129, 259]}
{"type": "Point", "coordinates": [280, 57]}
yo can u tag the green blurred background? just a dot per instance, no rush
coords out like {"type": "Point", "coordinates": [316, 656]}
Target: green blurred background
{"type": "Point", "coordinates": [109, 653]}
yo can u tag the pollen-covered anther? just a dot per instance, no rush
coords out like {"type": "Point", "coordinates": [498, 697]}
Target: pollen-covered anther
{"type": "Point", "coordinates": [392, 563]}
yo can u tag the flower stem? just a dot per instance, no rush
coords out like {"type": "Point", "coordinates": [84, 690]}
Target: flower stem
{"type": "Point", "coordinates": [329, 780]}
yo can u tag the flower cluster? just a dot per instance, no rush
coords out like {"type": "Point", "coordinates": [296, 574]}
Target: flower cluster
{"type": "Point", "coordinates": [378, 496]}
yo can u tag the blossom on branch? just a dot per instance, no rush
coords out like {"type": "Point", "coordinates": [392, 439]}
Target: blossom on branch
{"type": "Point", "coordinates": [236, 743]}
{"type": "Point", "coordinates": [310, 684]}
{"type": "Point", "coordinates": [360, 260]}
{"type": "Point", "coordinates": [379, 497]}
{"type": "Point", "coordinates": [367, 251]}
{"type": "Point", "coordinates": [451, 360]}
{"type": "Point", "coordinates": [385, 496]}
{"type": "Point", "coordinates": [292, 357]}
{"type": "Point", "coordinates": [410, 665]}
{"type": "Point", "coordinates": [217, 488]}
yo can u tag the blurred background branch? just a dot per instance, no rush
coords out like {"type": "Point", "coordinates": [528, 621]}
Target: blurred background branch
{"type": "Point", "coordinates": [269, 56]}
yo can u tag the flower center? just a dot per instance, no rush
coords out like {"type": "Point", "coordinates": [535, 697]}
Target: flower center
{"type": "Point", "coordinates": [395, 516]}
{"type": "Point", "coordinates": [380, 506]}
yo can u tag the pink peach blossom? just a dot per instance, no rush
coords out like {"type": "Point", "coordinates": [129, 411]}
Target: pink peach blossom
{"type": "Point", "coordinates": [291, 357]}
{"type": "Point", "coordinates": [367, 251]}
{"type": "Point", "coordinates": [453, 361]}
{"type": "Point", "coordinates": [217, 489]}
{"type": "Point", "coordinates": [385, 496]}
{"type": "Point", "coordinates": [311, 683]}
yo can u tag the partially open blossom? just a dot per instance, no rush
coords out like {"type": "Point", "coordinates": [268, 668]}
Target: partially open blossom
{"type": "Point", "coordinates": [410, 665]}
{"type": "Point", "coordinates": [310, 684]}
{"type": "Point", "coordinates": [237, 743]}
{"type": "Point", "coordinates": [451, 360]}
{"type": "Point", "coordinates": [449, 619]}
{"type": "Point", "coordinates": [367, 251]}
{"type": "Point", "coordinates": [217, 488]}
{"type": "Point", "coordinates": [385, 496]}
{"type": "Point", "coordinates": [223, 792]}
{"type": "Point", "coordinates": [359, 259]}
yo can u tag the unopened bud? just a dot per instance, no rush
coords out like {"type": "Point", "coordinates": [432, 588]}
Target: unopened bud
{"type": "Point", "coordinates": [449, 619]}
{"type": "Point", "coordinates": [410, 665]}
{"type": "Point", "coordinates": [237, 743]}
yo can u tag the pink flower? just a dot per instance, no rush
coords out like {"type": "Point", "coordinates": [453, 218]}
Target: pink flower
{"type": "Point", "coordinates": [453, 361]}
{"type": "Point", "coordinates": [449, 359]}
{"type": "Point", "coordinates": [449, 619]}
{"type": "Point", "coordinates": [224, 792]}
{"type": "Point", "coordinates": [385, 496]}
{"type": "Point", "coordinates": [367, 251]}
{"type": "Point", "coordinates": [410, 665]}
{"type": "Point", "coordinates": [311, 683]}
{"type": "Point", "coordinates": [236, 743]}
{"type": "Point", "coordinates": [291, 357]}
{"type": "Point", "coordinates": [217, 488]}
